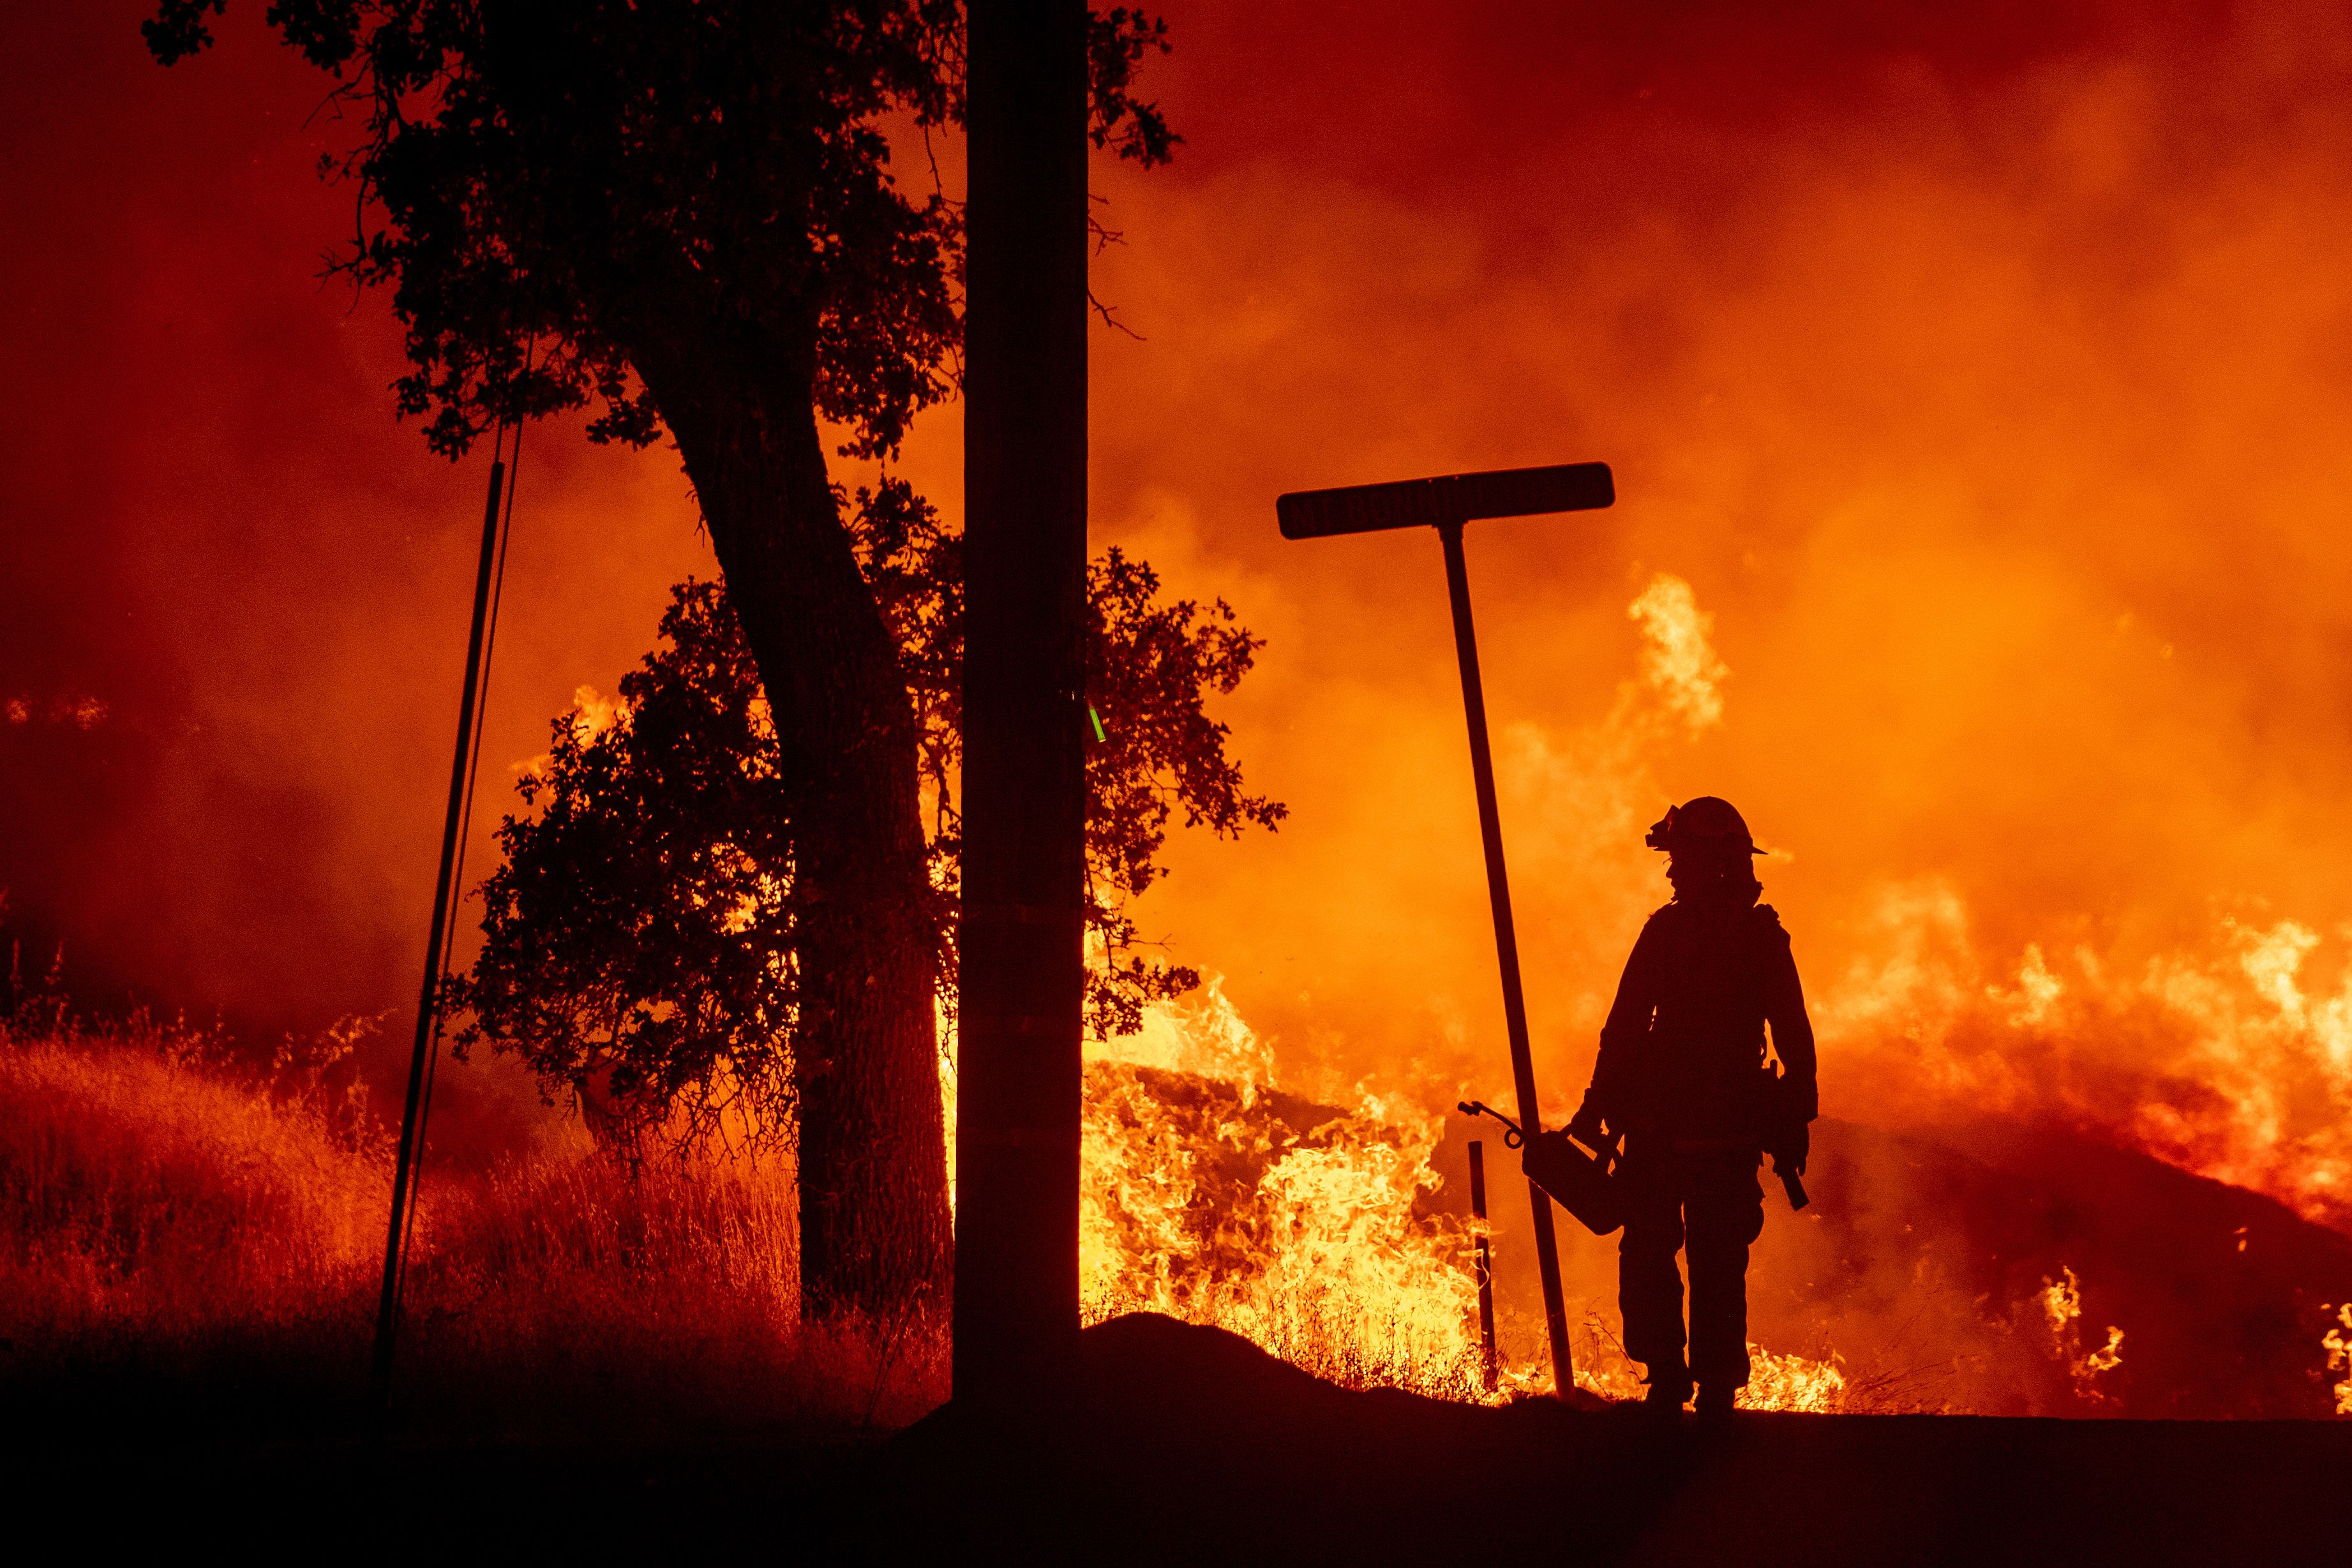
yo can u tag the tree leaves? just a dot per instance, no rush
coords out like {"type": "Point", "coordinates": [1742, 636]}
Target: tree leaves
{"type": "Point", "coordinates": [640, 938]}
{"type": "Point", "coordinates": [538, 181]}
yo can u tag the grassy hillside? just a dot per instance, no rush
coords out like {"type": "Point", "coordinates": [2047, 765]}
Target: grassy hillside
{"type": "Point", "coordinates": [185, 1239]}
{"type": "Point", "coordinates": [175, 1230]}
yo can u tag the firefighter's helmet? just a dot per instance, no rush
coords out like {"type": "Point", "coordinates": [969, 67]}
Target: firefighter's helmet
{"type": "Point", "coordinates": [1709, 822]}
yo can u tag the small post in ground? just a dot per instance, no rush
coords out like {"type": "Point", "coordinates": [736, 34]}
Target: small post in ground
{"type": "Point", "coordinates": [1487, 1371]}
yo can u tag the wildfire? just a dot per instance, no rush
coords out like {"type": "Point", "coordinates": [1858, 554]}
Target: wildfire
{"type": "Point", "coordinates": [1211, 1197]}
{"type": "Point", "coordinates": [2238, 1073]}
{"type": "Point", "coordinates": [1793, 1383]}
{"type": "Point", "coordinates": [2062, 1303]}
{"type": "Point", "coordinates": [74, 712]}
{"type": "Point", "coordinates": [2338, 1343]}
{"type": "Point", "coordinates": [1775, 1380]}
{"type": "Point", "coordinates": [1214, 1197]}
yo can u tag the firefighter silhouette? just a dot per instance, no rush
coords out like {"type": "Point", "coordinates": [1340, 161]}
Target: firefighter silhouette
{"type": "Point", "coordinates": [1682, 1080]}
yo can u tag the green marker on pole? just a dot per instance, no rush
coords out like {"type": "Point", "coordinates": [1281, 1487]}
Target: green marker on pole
{"type": "Point", "coordinates": [1098, 719]}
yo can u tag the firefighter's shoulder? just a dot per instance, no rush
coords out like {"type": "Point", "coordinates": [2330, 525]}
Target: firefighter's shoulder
{"type": "Point", "coordinates": [1768, 920]}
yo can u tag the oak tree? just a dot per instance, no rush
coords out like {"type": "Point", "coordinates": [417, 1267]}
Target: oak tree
{"type": "Point", "coordinates": [642, 949]}
{"type": "Point", "coordinates": [681, 216]}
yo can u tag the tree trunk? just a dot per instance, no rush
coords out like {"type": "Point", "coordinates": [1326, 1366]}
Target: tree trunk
{"type": "Point", "coordinates": [875, 1229]}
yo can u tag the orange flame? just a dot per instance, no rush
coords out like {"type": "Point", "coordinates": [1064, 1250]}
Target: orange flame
{"type": "Point", "coordinates": [2062, 1303]}
{"type": "Point", "coordinates": [1203, 1201]}
{"type": "Point", "coordinates": [2338, 1343]}
{"type": "Point", "coordinates": [1212, 1195]}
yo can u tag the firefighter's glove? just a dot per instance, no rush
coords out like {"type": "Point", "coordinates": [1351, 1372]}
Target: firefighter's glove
{"type": "Point", "coordinates": [1790, 1149]}
{"type": "Point", "coordinates": [1587, 1127]}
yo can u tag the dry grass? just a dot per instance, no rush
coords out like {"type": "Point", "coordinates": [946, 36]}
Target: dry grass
{"type": "Point", "coordinates": [566, 1295]}
{"type": "Point", "coordinates": [171, 1230]}
{"type": "Point", "coordinates": [146, 1204]}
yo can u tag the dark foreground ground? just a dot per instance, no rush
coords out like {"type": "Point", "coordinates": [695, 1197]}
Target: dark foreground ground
{"type": "Point", "coordinates": [1195, 1448]}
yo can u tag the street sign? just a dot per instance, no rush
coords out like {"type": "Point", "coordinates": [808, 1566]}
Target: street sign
{"type": "Point", "coordinates": [1448, 499]}
{"type": "Point", "coordinates": [1445, 503]}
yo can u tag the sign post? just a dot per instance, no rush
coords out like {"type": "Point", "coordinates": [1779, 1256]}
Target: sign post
{"type": "Point", "coordinates": [1446, 504]}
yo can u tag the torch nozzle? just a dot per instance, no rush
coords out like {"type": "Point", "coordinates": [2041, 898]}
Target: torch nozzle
{"type": "Point", "coordinates": [1512, 1137]}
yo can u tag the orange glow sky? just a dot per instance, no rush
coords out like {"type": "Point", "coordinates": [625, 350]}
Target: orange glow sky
{"type": "Point", "coordinates": [1982, 370]}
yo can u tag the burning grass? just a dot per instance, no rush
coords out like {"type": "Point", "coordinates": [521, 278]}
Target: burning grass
{"type": "Point", "coordinates": [1212, 1196]}
{"type": "Point", "coordinates": [2337, 1344]}
{"type": "Point", "coordinates": [170, 1220]}
{"type": "Point", "coordinates": [1204, 1201]}
{"type": "Point", "coordinates": [164, 1215]}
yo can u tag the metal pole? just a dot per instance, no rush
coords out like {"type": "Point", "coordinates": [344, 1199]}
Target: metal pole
{"type": "Point", "coordinates": [1507, 945]}
{"type": "Point", "coordinates": [387, 1316]}
{"type": "Point", "coordinates": [1487, 1371]}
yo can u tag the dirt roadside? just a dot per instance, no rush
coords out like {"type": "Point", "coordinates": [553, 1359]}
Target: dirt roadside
{"type": "Point", "coordinates": [1194, 1447]}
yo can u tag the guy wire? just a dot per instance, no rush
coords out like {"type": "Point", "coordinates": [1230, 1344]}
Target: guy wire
{"type": "Point", "coordinates": [464, 833]}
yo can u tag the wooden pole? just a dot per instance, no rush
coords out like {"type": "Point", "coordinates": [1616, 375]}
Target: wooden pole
{"type": "Point", "coordinates": [1489, 1373]}
{"type": "Point", "coordinates": [1018, 1068]}
{"type": "Point", "coordinates": [1507, 945]}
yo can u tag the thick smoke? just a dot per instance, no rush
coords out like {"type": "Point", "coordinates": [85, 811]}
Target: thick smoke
{"type": "Point", "coordinates": [233, 592]}
{"type": "Point", "coordinates": [1982, 382]}
{"type": "Point", "coordinates": [1978, 369]}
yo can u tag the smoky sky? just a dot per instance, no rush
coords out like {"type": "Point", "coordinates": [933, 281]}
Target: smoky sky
{"type": "Point", "coordinates": [216, 531]}
{"type": "Point", "coordinates": [1980, 367]}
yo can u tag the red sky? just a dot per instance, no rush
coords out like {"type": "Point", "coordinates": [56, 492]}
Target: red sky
{"type": "Point", "coordinates": [1981, 369]}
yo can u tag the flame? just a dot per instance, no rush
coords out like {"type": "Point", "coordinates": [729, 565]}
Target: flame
{"type": "Point", "coordinates": [83, 712]}
{"type": "Point", "coordinates": [2222, 1062]}
{"type": "Point", "coordinates": [2037, 991]}
{"type": "Point", "coordinates": [2338, 1343]}
{"type": "Point", "coordinates": [592, 713]}
{"type": "Point", "coordinates": [1202, 1033]}
{"type": "Point", "coordinates": [1776, 1381]}
{"type": "Point", "coordinates": [1793, 1383]}
{"type": "Point", "coordinates": [2062, 1303]}
{"type": "Point", "coordinates": [1679, 662]}
{"type": "Point", "coordinates": [1201, 1202]}
{"type": "Point", "coordinates": [1602, 1366]}
{"type": "Point", "coordinates": [1214, 1197]}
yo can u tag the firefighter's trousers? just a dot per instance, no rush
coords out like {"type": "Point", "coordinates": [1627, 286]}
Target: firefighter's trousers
{"type": "Point", "coordinates": [1702, 1199]}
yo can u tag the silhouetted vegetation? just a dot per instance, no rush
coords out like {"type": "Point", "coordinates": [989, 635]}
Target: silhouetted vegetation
{"type": "Point", "coordinates": [189, 1236]}
{"type": "Point", "coordinates": [684, 218]}
{"type": "Point", "coordinates": [642, 949]}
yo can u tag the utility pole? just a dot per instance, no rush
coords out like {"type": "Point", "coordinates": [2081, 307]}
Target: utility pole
{"type": "Point", "coordinates": [1446, 504]}
{"type": "Point", "coordinates": [1018, 1064]}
